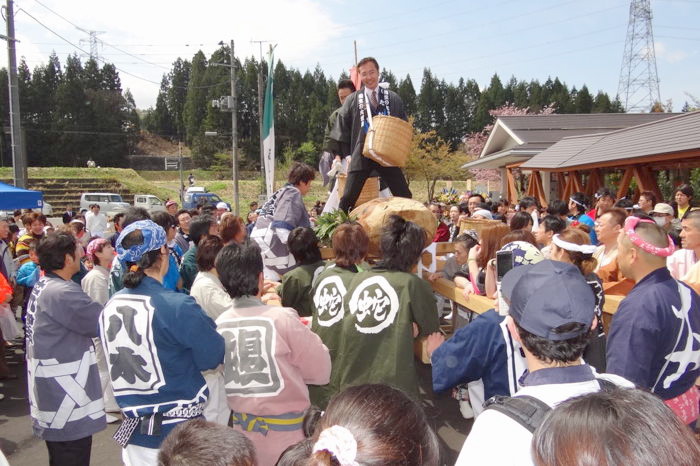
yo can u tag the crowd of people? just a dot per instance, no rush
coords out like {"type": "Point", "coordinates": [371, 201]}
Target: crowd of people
{"type": "Point", "coordinates": [216, 342]}
{"type": "Point", "coordinates": [179, 332]}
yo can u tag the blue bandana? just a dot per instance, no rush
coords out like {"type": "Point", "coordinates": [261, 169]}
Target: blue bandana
{"type": "Point", "coordinates": [153, 238]}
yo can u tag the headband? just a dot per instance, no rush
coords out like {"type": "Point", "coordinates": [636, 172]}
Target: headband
{"type": "Point", "coordinates": [153, 238]}
{"type": "Point", "coordinates": [340, 443]}
{"type": "Point", "coordinates": [582, 248]}
{"type": "Point", "coordinates": [577, 202]}
{"type": "Point", "coordinates": [629, 228]}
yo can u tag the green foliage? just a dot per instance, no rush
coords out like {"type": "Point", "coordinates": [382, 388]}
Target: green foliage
{"type": "Point", "coordinates": [78, 110]}
{"type": "Point", "coordinates": [72, 114]}
{"type": "Point", "coordinates": [327, 223]}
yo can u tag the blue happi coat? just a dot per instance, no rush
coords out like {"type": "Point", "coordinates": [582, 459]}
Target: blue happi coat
{"type": "Point", "coordinates": [483, 355]}
{"type": "Point", "coordinates": [655, 336]}
{"type": "Point", "coordinates": [157, 343]}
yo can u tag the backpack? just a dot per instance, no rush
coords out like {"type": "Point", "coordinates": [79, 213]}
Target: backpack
{"type": "Point", "coordinates": [527, 410]}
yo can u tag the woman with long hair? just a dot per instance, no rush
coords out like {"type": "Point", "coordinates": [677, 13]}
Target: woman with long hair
{"type": "Point", "coordinates": [479, 256]}
{"type": "Point", "coordinates": [350, 244]}
{"type": "Point", "coordinates": [385, 308]}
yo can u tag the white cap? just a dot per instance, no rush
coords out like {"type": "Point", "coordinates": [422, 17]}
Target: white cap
{"type": "Point", "coordinates": [222, 205]}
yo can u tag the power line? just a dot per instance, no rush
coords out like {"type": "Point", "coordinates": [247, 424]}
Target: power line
{"type": "Point", "coordinates": [82, 50]}
{"type": "Point", "coordinates": [410, 51]}
{"type": "Point", "coordinates": [108, 63]}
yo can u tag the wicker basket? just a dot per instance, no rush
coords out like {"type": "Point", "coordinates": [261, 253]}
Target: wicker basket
{"type": "Point", "coordinates": [369, 191]}
{"type": "Point", "coordinates": [388, 142]}
{"type": "Point", "coordinates": [476, 224]}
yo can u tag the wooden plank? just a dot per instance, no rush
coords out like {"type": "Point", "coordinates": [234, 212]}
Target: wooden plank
{"type": "Point", "coordinates": [612, 301]}
{"type": "Point", "coordinates": [327, 253]}
{"type": "Point", "coordinates": [449, 290]}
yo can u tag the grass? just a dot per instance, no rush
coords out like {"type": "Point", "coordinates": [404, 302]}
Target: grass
{"type": "Point", "coordinates": [165, 184]}
{"type": "Point", "coordinates": [126, 176]}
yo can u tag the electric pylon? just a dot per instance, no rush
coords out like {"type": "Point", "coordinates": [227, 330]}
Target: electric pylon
{"type": "Point", "coordinates": [639, 81]}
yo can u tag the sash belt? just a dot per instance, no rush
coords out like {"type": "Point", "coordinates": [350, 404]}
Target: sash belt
{"type": "Point", "coordinates": [263, 424]}
{"type": "Point", "coordinates": [150, 424]}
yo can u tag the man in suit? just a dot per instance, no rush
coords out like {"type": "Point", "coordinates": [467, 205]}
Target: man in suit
{"type": "Point", "coordinates": [68, 215]}
{"type": "Point", "coordinates": [351, 128]}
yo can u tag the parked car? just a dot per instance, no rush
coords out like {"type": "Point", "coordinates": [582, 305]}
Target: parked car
{"type": "Point", "coordinates": [110, 203]}
{"type": "Point", "coordinates": [196, 199]}
{"type": "Point", "coordinates": [149, 202]}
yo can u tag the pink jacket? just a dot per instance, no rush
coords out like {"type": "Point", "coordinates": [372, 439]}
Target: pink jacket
{"type": "Point", "coordinates": [270, 357]}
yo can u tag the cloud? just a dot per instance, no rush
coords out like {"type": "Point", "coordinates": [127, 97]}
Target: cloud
{"type": "Point", "coordinates": [667, 54]}
{"type": "Point", "coordinates": [159, 31]}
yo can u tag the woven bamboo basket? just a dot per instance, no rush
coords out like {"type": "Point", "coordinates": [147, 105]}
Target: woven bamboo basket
{"type": "Point", "coordinates": [369, 191]}
{"type": "Point", "coordinates": [476, 224]}
{"type": "Point", "coordinates": [388, 142]}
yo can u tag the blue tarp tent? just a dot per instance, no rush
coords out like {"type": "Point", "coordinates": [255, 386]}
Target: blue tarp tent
{"type": "Point", "coordinates": [12, 198]}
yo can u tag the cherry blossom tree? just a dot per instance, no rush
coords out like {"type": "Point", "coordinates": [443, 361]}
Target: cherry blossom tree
{"type": "Point", "coordinates": [474, 142]}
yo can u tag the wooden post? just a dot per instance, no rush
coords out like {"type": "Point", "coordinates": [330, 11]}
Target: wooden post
{"type": "Point", "coordinates": [625, 183]}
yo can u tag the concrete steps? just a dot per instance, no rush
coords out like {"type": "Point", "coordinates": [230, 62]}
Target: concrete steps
{"type": "Point", "coordinates": [61, 192]}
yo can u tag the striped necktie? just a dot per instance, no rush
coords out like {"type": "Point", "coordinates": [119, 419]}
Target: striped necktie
{"type": "Point", "coordinates": [373, 99]}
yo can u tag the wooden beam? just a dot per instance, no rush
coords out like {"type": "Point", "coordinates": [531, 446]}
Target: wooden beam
{"type": "Point", "coordinates": [530, 191]}
{"type": "Point", "coordinates": [595, 181]}
{"type": "Point", "coordinates": [625, 182]}
{"type": "Point", "coordinates": [576, 184]}
{"type": "Point", "coordinates": [539, 189]}
{"type": "Point", "coordinates": [646, 180]}
{"type": "Point", "coordinates": [512, 192]}
{"type": "Point", "coordinates": [561, 185]}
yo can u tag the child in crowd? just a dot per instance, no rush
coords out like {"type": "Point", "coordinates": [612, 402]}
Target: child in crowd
{"type": "Point", "coordinates": [201, 443]}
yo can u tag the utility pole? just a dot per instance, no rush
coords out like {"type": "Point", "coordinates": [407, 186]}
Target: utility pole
{"type": "Point", "coordinates": [234, 132]}
{"type": "Point", "coordinates": [19, 160]}
{"type": "Point", "coordinates": [639, 81]}
{"type": "Point", "coordinates": [260, 113]}
{"type": "Point", "coordinates": [230, 104]}
{"type": "Point", "coordinates": [182, 179]}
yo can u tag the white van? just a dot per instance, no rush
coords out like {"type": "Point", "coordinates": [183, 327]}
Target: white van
{"type": "Point", "coordinates": [149, 202]}
{"type": "Point", "coordinates": [110, 203]}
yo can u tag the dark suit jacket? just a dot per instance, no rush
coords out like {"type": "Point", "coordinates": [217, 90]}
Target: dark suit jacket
{"type": "Point", "coordinates": [347, 128]}
{"type": "Point", "coordinates": [68, 216]}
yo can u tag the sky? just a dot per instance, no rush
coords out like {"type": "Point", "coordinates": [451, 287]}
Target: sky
{"type": "Point", "coordinates": [581, 42]}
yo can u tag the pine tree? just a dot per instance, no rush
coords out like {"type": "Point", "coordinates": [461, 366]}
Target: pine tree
{"type": "Point", "coordinates": [584, 101]}
{"type": "Point", "coordinates": [408, 95]}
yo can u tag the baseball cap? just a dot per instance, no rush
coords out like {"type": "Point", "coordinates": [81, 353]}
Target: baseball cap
{"type": "Point", "coordinates": [170, 202]}
{"type": "Point", "coordinates": [548, 295]}
{"type": "Point", "coordinates": [222, 205]}
{"type": "Point", "coordinates": [662, 208]}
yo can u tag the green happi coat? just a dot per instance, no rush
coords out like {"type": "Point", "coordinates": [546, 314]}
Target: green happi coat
{"type": "Point", "coordinates": [377, 331]}
{"type": "Point", "coordinates": [330, 287]}
{"type": "Point", "coordinates": [296, 287]}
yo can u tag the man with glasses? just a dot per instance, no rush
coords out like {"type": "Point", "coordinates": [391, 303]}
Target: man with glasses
{"type": "Point", "coordinates": [351, 128]}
